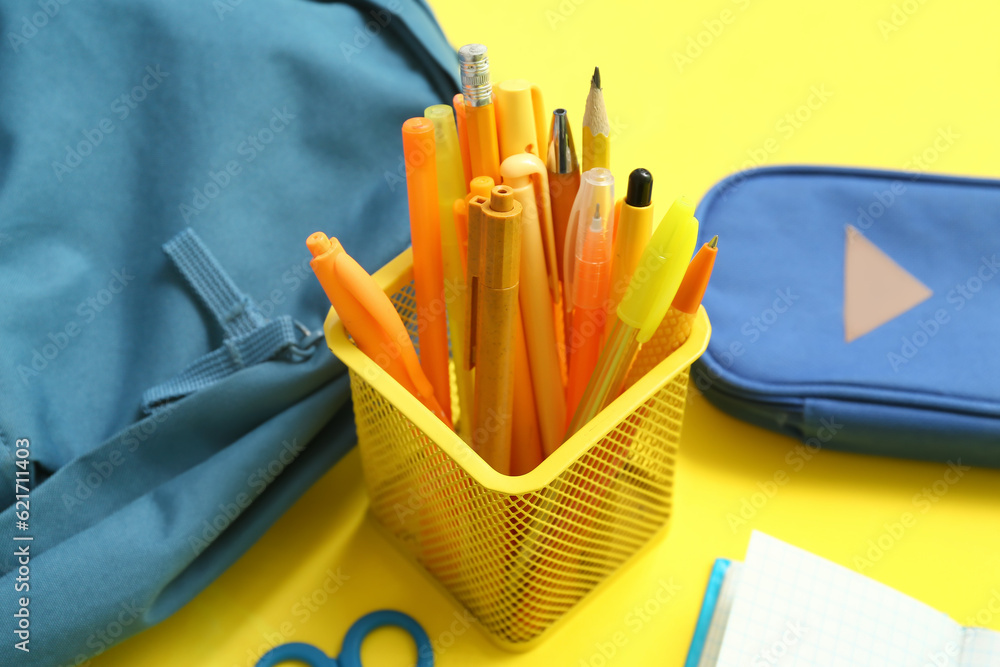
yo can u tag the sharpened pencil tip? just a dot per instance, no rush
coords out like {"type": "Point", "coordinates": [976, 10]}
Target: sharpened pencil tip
{"type": "Point", "coordinates": [714, 243]}
{"type": "Point", "coordinates": [595, 80]}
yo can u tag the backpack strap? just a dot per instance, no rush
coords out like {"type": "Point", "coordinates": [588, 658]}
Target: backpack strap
{"type": "Point", "coordinates": [251, 338]}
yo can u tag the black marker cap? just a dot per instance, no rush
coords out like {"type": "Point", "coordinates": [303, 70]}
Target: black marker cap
{"type": "Point", "coordinates": [640, 188]}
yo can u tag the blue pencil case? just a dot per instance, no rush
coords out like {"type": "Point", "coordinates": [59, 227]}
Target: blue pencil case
{"type": "Point", "coordinates": [858, 310]}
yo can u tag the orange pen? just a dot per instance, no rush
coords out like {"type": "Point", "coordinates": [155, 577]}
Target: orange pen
{"type": "Point", "coordinates": [480, 114]}
{"type": "Point", "coordinates": [590, 308]}
{"type": "Point", "coordinates": [564, 179]}
{"type": "Point", "coordinates": [370, 318]}
{"type": "Point", "coordinates": [675, 328]}
{"type": "Point", "coordinates": [458, 102]}
{"type": "Point", "coordinates": [428, 272]}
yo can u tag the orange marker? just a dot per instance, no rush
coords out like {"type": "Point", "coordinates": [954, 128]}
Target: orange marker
{"type": "Point", "coordinates": [428, 272]}
{"type": "Point", "coordinates": [463, 136]}
{"type": "Point", "coordinates": [480, 114]}
{"type": "Point", "coordinates": [370, 318]}
{"type": "Point", "coordinates": [676, 326]}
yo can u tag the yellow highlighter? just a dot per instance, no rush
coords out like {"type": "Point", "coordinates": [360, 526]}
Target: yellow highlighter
{"type": "Point", "coordinates": [654, 283]}
{"type": "Point", "coordinates": [520, 118]}
{"type": "Point", "coordinates": [526, 176]}
{"type": "Point", "coordinates": [450, 186]}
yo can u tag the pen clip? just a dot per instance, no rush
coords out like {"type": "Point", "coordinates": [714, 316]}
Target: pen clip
{"type": "Point", "coordinates": [541, 127]}
{"type": "Point", "coordinates": [473, 274]}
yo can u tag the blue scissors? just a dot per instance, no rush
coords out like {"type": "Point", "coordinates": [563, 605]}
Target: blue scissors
{"type": "Point", "coordinates": [350, 653]}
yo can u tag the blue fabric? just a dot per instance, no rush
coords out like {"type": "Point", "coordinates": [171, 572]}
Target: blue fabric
{"type": "Point", "coordinates": [252, 337]}
{"type": "Point", "coordinates": [121, 124]}
{"type": "Point", "coordinates": [923, 385]}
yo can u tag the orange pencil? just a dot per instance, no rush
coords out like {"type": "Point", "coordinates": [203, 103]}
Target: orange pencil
{"type": "Point", "coordinates": [480, 113]}
{"type": "Point", "coordinates": [428, 271]}
{"type": "Point", "coordinates": [676, 326]}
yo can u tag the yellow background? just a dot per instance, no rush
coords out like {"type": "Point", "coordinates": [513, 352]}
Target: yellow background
{"type": "Point", "coordinates": [690, 124]}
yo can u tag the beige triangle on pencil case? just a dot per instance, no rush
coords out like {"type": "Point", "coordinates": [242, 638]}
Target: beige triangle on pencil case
{"type": "Point", "coordinates": [876, 288]}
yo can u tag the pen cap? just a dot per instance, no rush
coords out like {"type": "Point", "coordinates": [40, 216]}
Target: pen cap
{"type": "Point", "coordinates": [696, 278]}
{"type": "Point", "coordinates": [519, 117]}
{"type": "Point", "coordinates": [597, 187]}
{"type": "Point", "coordinates": [501, 243]}
{"type": "Point", "coordinates": [481, 186]}
{"type": "Point", "coordinates": [660, 270]}
{"type": "Point", "coordinates": [448, 154]}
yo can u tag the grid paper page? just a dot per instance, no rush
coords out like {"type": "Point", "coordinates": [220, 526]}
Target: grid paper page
{"type": "Point", "coordinates": [713, 642]}
{"type": "Point", "coordinates": [795, 609]}
{"type": "Point", "coordinates": [982, 648]}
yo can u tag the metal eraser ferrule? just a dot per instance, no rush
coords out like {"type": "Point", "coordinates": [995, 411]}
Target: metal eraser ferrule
{"type": "Point", "coordinates": [475, 67]}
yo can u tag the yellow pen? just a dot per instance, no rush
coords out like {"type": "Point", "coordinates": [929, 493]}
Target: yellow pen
{"type": "Point", "coordinates": [520, 118]}
{"type": "Point", "coordinates": [654, 283]}
{"type": "Point", "coordinates": [450, 186]}
{"type": "Point", "coordinates": [525, 175]}
{"type": "Point", "coordinates": [632, 231]}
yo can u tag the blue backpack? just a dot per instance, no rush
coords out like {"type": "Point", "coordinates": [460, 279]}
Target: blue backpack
{"type": "Point", "coordinates": [166, 394]}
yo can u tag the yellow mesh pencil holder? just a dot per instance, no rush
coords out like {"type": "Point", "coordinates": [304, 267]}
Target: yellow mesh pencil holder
{"type": "Point", "coordinates": [520, 553]}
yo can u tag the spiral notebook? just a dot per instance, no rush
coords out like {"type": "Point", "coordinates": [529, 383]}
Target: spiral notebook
{"type": "Point", "coordinates": [786, 607]}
